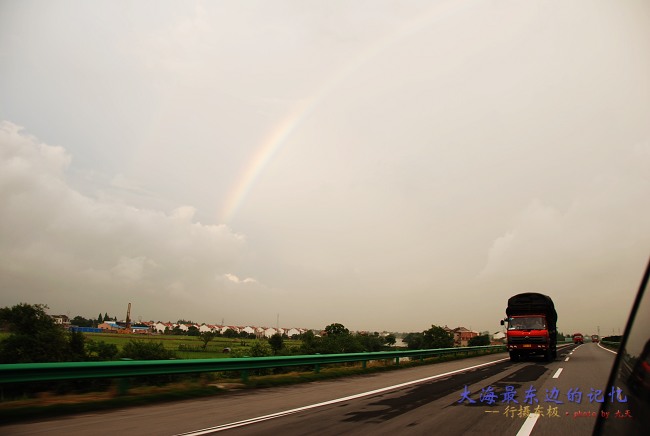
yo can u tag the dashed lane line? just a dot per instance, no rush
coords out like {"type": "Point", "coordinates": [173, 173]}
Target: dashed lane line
{"type": "Point", "coordinates": [529, 423]}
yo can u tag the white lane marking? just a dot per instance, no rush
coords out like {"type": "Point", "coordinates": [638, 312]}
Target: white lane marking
{"type": "Point", "coordinates": [607, 349]}
{"type": "Point", "coordinates": [557, 373]}
{"type": "Point", "coordinates": [529, 423]}
{"type": "Point", "coordinates": [566, 360]}
{"type": "Point", "coordinates": [325, 403]}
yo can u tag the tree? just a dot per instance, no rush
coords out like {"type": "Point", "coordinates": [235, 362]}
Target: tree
{"type": "Point", "coordinates": [370, 343]}
{"type": "Point", "coordinates": [80, 321]}
{"type": "Point", "coordinates": [260, 349]}
{"type": "Point", "coordinates": [390, 339]}
{"type": "Point", "coordinates": [100, 319]}
{"type": "Point", "coordinates": [414, 341]}
{"type": "Point", "coordinates": [100, 350]}
{"type": "Point", "coordinates": [230, 333]}
{"type": "Point", "coordinates": [477, 341]}
{"type": "Point", "coordinates": [77, 347]}
{"type": "Point", "coordinates": [336, 329]}
{"type": "Point", "coordinates": [34, 338]}
{"type": "Point", "coordinates": [205, 338]}
{"type": "Point", "coordinates": [437, 337]}
{"type": "Point", "coordinates": [309, 342]}
{"type": "Point", "coordinates": [276, 342]}
{"type": "Point", "coordinates": [193, 331]}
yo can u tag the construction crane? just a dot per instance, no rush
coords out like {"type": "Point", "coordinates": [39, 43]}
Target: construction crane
{"type": "Point", "coordinates": [127, 324]}
{"type": "Point", "coordinates": [128, 318]}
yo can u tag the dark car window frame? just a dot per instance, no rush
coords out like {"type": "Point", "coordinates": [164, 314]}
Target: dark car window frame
{"type": "Point", "coordinates": [610, 425]}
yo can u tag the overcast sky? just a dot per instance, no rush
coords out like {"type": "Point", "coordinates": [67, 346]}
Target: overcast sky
{"type": "Point", "coordinates": [388, 165]}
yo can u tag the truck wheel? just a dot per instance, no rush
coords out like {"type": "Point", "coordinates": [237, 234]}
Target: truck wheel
{"type": "Point", "coordinates": [548, 355]}
{"type": "Point", "coordinates": [514, 357]}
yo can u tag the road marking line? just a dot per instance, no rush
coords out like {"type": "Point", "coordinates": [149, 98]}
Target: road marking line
{"type": "Point", "coordinates": [326, 403]}
{"type": "Point", "coordinates": [529, 423]}
{"type": "Point", "coordinates": [566, 360]}
{"type": "Point", "coordinates": [607, 349]}
{"type": "Point", "coordinates": [557, 373]}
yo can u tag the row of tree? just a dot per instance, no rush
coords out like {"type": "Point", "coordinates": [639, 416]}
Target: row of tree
{"type": "Point", "coordinates": [80, 321]}
{"type": "Point", "coordinates": [438, 337]}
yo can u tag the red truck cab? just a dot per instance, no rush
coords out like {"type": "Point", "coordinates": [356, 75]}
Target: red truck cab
{"type": "Point", "coordinates": [578, 338]}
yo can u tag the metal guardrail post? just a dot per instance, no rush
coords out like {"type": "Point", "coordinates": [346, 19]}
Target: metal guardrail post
{"type": "Point", "coordinates": [244, 375]}
{"type": "Point", "coordinates": [122, 386]}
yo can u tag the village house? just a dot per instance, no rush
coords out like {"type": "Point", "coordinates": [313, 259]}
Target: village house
{"type": "Point", "coordinates": [462, 336]}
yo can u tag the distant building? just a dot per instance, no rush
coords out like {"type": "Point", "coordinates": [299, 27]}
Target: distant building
{"type": "Point", "coordinates": [109, 326]}
{"type": "Point", "coordinates": [462, 336]}
{"type": "Point", "coordinates": [61, 320]}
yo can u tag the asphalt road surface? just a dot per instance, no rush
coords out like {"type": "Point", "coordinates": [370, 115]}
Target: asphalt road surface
{"type": "Point", "coordinates": [481, 395]}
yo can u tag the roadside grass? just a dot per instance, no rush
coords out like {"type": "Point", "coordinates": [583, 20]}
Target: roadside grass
{"type": "Point", "coordinates": [186, 347]}
{"type": "Point", "coordinates": [194, 386]}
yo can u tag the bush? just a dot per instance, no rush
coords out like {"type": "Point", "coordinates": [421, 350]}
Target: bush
{"type": "Point", "coordinates": [477, 341]}
{"type": "Point", "coordinates": [100, 350]}
{"type": "Point", "coordinates": [138, 349]}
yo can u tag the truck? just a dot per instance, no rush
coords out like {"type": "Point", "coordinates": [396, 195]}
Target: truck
{"type": "Point", "coordinates": [531, 322]}
{"type": "Point", "coordinates": [578, 338]}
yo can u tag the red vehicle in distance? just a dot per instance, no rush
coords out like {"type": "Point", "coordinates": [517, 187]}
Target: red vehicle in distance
{"type": "Point", "coordinates": [594, 338]}
{"type": "Point", "coordinates": [578, 338]}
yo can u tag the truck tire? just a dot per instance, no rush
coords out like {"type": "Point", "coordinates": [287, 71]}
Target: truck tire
{"type": "Point", "coordinates": [514, 357]}
{"type": "Point", "coordinates": [548, 356]}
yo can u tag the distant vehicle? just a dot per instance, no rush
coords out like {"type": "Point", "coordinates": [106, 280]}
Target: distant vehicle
{"type": "Point", "coordinates": [578, 338]}
{"type": "Point", "coordinates": [594, 338]}
{"type": "Point", "coordinates": [532, 330]}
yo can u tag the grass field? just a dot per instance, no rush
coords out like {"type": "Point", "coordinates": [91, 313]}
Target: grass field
{"type": "Point", "coordinates": [181, 345]}
{"type": "Point", "coordinates": [185, 347]}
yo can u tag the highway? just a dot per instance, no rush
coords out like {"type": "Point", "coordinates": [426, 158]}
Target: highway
{"type": "Point", "coordinates": [431, 399]}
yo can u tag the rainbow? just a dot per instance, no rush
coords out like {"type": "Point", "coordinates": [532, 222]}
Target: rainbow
{"type": "Point", "coordinates": [302, 110]}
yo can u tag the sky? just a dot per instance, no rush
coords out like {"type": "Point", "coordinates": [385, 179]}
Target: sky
{"type": "Point", "coordinates": [386, 165]}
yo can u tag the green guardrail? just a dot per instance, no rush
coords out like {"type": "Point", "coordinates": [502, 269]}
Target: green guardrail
{"type": "Point", "coordinates": [34, 372]}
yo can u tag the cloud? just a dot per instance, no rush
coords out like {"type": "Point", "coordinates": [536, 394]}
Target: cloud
{"type": "Point", "coordinates": [133, 268]}
{"type": "Point", "coordinates": [94, 254]}
{"type": "Point", "coordinates": [233, 278]}
{"type": "Point", "coordinates": [584, 252]}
